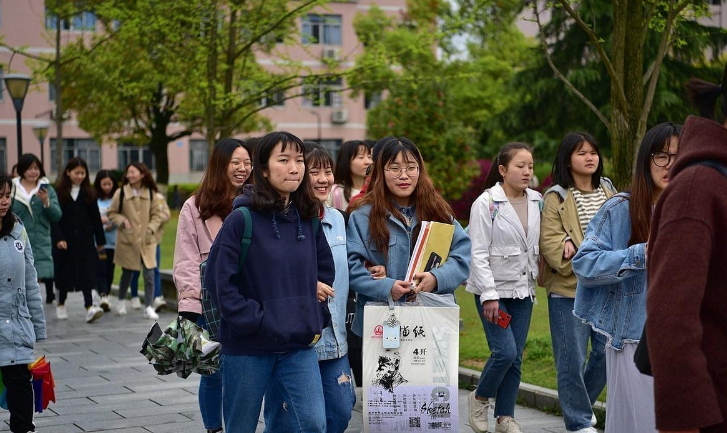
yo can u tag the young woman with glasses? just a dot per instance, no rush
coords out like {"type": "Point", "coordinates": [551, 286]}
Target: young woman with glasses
{"type": "Point", "coordinates": [401, 195]}
{"type": "Point", "coordinates": [611, 269]}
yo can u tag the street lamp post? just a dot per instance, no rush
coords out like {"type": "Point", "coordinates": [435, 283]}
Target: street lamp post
{"type": "Point", "coordinates": [17, 85]}
{"type": "Point", "coordinates": [40, 132]}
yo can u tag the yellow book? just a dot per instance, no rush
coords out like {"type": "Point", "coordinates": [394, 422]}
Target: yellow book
{"type": "Point", "coordinates": [431, 249]}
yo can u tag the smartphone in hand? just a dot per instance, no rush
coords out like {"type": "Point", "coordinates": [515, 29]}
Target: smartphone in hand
{"type": "Point", "coordinates": [503, 319]}
{"type": "Point", "coordinates": [43, 186]}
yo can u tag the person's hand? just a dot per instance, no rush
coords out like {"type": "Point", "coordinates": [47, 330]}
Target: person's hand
{"type": "Point", "coordinates": [109, 227]}
{"type": "Point", "coordinates": [489, 310]}
{"type": "Point", "coordinates": [377, 272]}
{"type": "Point", "coordinates": [401, 288]}
{"type": "Point", "coordinates": [426, 282]}
{"type": "Point", "coordinates": [569, 250]}
{"type": "Point", "coordinates": [323, 291]}
{"type": "Point", "coordinates": [126, 225]}
{"type": "Point", "coordinates": [100, 248]}
{"type": "Point", "coordinates": [43, 196]}
{"type": "Point", "coordinates": [62, 245]}
{"type": "Point", "coordinates": [104, 220]}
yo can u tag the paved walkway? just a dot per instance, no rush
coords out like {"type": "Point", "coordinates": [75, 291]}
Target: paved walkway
{"type": "Point", "coordinates": [103, 383]}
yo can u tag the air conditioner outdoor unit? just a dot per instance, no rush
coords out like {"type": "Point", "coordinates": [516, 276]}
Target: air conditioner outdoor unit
{"type": "Point", "coordinates": [331, 54]}
{"type": "Point", "coordinates": [339, 116]}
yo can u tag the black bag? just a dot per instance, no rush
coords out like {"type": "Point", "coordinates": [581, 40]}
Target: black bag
{"type": "Point", "coordinates": [641, 356]}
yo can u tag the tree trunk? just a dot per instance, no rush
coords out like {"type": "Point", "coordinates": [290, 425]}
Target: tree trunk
{"type": "Point", "coordinates": [59, 95]}
{"type": "Point", "coordinates": [158, 146]}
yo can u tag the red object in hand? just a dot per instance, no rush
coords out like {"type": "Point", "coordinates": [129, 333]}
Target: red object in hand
{"type": "Point", "coordinates": [503, 319]}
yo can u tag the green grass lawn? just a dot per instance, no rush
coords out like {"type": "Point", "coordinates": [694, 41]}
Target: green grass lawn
{"type": "Point", "coordinates": [538, 364]}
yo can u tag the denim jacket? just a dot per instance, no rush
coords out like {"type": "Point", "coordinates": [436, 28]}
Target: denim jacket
{"type": "Point", "coordinates": [332, 344]}
{"type": "Point", "coordinates": [611, 291]}
{"type": "Point", "coordinates": [450, 275]}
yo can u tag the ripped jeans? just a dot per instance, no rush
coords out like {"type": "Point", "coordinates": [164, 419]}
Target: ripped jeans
{"type": "Point", "coordinates": [338, 391]}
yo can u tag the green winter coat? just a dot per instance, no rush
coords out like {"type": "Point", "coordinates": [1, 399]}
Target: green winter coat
{"type": "Point", "coordinates": [37, 220]}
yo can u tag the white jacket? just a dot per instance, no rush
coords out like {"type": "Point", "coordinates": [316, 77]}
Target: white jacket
{"type": "Point", "coordinates": [504, 260]}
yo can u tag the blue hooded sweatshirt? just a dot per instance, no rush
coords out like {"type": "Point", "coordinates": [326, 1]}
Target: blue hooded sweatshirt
{"type": "Point", "coordinates": [271, 306]}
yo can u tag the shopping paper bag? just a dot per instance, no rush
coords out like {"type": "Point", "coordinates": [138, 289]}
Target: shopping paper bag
{"type": "Point", "coordinates": [413, 388]}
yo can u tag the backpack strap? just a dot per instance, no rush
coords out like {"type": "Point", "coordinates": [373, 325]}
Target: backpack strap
{"type": "Point", "coordinates": [121, 200]}
{"type": "Point", "coordinates": [713, 164]}
{"type": "Point", "coordinates": [316, 225]}
{"type": "Point", "coordinates": [246, 236]}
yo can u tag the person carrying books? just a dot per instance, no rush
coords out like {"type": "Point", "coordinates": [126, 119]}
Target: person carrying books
{"type": "Point", "coordinates": [505, 230]}
{"type": "Point", "coordinates": [400, 196]}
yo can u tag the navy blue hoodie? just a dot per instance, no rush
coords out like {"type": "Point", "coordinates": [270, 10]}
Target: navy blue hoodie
{"type": "Point", "coordinates": [271, 306]}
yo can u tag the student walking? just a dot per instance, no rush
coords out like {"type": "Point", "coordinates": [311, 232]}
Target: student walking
{"type": "Point", "coordinates": [200, 220]}
{"type": "Point", "coordinates": [36, 204]}
{"type": "Point", "coordinates": [332, 348]}
{"type": "Point", "coordinates": [577, 194]}
{"type": "Point", "coordinates": [105, 186]}
{"type": "Point", "coordinates": [505, 231]}
{"type": "Point", "coordinates": [611, 269]}
{"type": "Point", "coordinates": [74, 249]}
{"type": "Point", "coordinates": [401, 195]}
{"type": "Point", "coordinates": [263, 344]}
{"type": "Point", "coordinates": [138, 220]}
{"type": "Point", "coordinates": [354, 157]}
{"type": "Point", "coordinates": [21, 312]}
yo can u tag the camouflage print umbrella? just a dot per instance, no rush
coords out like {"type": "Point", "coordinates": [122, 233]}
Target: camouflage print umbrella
{"type": "Point", "coordinates": [183, 348]}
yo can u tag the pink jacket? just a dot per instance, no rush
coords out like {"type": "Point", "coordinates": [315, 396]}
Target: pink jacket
{"type": "Point", "coordinates": [194, 240]}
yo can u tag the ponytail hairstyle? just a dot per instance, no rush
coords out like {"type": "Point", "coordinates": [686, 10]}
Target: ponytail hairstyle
{"type": "Point", "coordinates": [507, 152]}
{"type": "Point", "coordinates": [429, 203]}
{"type": "Point", "coordinates": [572, 142]}
{"type": "Point", "coordinates": [641, 198]}
{"type": "Point", "coordinates": [704, 95]}
{"type": "Point", "coordinates": [8, 220]}
{"type": "Point", "coordinates": [64, 183]}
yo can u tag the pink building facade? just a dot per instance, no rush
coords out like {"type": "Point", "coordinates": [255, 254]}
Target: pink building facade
{"type": "Point", "coordinates": [334, 117]}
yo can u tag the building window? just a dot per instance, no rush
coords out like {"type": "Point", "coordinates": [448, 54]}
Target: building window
{"type": "Point", "coordinates": [82, 21]}
{"type": "Point", "coordinates": [322, 29]}
{"type": "Point", "coordinates": [332, 145]}
{"type": "Point", "coordinates": [199, 154]}
{"type": "Point", "coordinates": [128, 153]}
{"type": "Point", "coordinates": [326, 93]}
{"type": "Point", "coordinates": [84, 148]}
{"type": "Point", "coordinates": [372, 100]}
{"type": "Point", "coordinates": [51, 92]}
{"type": "Point", "coordinates": [273, 99]}
{"type": "Point", "coordinates": [3, 156]}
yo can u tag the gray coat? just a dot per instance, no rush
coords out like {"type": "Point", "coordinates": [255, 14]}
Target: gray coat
{"type": "Point", "coordinates": [22, 321]}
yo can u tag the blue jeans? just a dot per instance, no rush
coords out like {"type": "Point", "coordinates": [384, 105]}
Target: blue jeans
{"type": "Point", "coordinates": [501, 376]}
{"type": "Point", "coordinates": [210, 395]}
{"type": "Point", "coordinates": [157, 279]}
{"type": "Point", "coordinates": [338, 391]}
{"type": "Point", "coordinates": [295, 376]}
{"type": "Point", "coordinates": [578, 389]}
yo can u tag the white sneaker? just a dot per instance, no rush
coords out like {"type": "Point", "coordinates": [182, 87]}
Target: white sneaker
{"type": "Point", "coordinates": [135, 304]}
{"type": "Point", "coordinates": [121, 307]}
{"type": "Point", "coordinates": [508, 425]}
{"type": "Point", "coordinates": [478, 413]}
{"type": "Point", "coordinates": [61, 312]}
{"type": "Point", "coordinates": [586, 430]}
{"type": "Point", "coordinates": [95, 297]}
{"type": "Point", "coordinates": [93, 313]}
{"type": "Point", "coordinates": [159, 303]}
{"type": "Point", "coordinates": [105, 304]}
{"type": "Point", "coordinates": [149, 313]}
{"type": "Point", "coordinates": [594, 420]}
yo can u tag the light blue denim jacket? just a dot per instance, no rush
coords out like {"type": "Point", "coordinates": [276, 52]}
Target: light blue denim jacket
{"type": "Point", "coordinates": [361, 248]}
{"type": "Point", "coordinates": [332, 344]}
{"type": "Point", "coordinates": [611, 291]}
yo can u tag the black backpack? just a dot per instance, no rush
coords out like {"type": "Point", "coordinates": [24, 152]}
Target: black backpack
{"type": "Point", "coordinates": [641, 356]}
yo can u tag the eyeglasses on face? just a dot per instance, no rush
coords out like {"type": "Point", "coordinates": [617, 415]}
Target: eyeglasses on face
{"type": "Point", "coordinates": [662, 159]}
{"type": "Point", "coordinates": [397, 172]}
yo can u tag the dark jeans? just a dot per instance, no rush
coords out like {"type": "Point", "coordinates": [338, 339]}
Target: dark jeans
{"type": "Point", "coordinates": [87, 296]}
{"type": "Point", "coordinates": [105, 273]}
{"type": "Point", "coordinates": [49, 295]}
{"type": "Point", "coordinates": [20, 397]}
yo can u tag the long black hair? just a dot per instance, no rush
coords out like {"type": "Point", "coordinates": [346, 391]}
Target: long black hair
{"type": "Point", "coordinates": [8, 220]}
{"type": "Point", "coordinates": [572, 142]}
{"type": "Point", "coordinates": [704, 95]}
{"type": "Point", "coordinates": [504, 156]}
{"type": "Point", "coordinates": [63, 184]}
{"type": "Point", "coordinates": [346, 154]}
{"type": "Point", "coordinates": [264, 197]}
{"type": "Point", "coordinates": [101, 175]}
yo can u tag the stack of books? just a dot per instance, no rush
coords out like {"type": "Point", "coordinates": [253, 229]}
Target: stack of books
{"type": "Point", "coordinates": [431, 248]}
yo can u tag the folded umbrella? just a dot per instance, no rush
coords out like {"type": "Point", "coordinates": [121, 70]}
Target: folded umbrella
{"type": "Point", "coordinates": [43, 383]}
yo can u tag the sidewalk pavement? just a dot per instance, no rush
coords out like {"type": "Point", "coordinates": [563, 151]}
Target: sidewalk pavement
{"type": "Point", "coordinates": [103, 383]}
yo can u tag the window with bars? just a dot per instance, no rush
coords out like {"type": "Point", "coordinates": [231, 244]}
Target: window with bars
{"type": "Point", "coordinates": [128, 153]}
{"type": "Point", "coordinates": [274, 99]}
{"type": "Point", "coordinates": [332, 145]}
{"type": "Point", "coordinates": [84, 148]}
{"type": "Point", "coordinates": [198, 155]}
{"type": "Point", "coordinates": [326, 93]}
{"type": "Point", "coordinates": [322, 29]}
{"type": "Point", "coordinates": [372, 100]}
{"type": "Point", "coordinates": [83, 21]}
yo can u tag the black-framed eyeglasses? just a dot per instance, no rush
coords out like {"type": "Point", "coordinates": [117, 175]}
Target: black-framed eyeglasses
{"type": "Point", "coordinates": [662, 159]}
{"type": "Point", "coordinates": [397, 172]}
